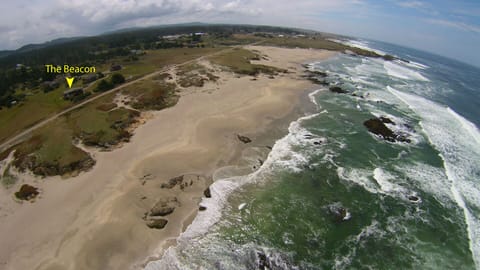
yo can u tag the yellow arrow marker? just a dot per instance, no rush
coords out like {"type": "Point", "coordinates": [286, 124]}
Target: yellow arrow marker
{"type": "Point", "coordinates": [70, 81]}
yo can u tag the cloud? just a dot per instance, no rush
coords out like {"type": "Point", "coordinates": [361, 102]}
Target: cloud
{"type": "Point", "coordinates": [36, 21]}
{"type": "Point", "coordinates": [411, 4]}
{"type": "Point", "coordinates": [455, 24]}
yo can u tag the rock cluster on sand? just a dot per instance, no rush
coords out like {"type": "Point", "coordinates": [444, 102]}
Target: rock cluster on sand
{"type": "Point", "coordinates": [244, 139]}
{"type": "Point", "coordinates": [164, 207]}
{"type": "Point", "coordinates": [159, 223]}
{"type": "Point", "coordinates": [27, 192]}
{"type": "Point", "coordinates": [377, 126]}
{"type": "Point", "coordinates": [177, 181]}
{"type": "Point", "coordinates": [173, 182]}
{"type": "Point", "coordinates": [207, 193]}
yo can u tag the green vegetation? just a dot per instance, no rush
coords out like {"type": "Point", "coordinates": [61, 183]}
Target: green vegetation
{"type": "Point", "coordinates": [152, 94]}
{"type": "Point", "coordinates": [50, 152]}
{"type": "Point", "coordinates": [117, 78]}
{"type": "Point", "coordinates": [7, 178]}
{"type": "Point", "coordinates": [239, 61]}
{"type": "Point", "coordinates": [105, 84]}
{"type": "Point", "coordinates": [194, 74]}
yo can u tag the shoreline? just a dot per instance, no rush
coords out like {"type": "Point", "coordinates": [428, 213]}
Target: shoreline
{"type": "Point", "coordinates": [102, 209]}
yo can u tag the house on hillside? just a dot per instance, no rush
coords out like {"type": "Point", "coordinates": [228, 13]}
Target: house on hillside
{"type": "Point", "coordinates": [115, 67]}
{"type": "Point", "coordinates": [137, 52]}
{"type": "Point", "coordinates": [88, 78]}
{"type": "Point", "coordinates": [71, 93]}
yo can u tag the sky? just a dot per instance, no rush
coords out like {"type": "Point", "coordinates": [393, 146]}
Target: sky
{"type": "Point", "coordinates": [446, 27]}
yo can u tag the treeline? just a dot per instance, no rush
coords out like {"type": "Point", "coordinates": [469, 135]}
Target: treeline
{"type": "Point", "coordinates": [25, 66]}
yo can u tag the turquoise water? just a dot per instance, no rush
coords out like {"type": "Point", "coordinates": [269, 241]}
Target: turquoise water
{"type": "Point", "coordinates": [331, 195]}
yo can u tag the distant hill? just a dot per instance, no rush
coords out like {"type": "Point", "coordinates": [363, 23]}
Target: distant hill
{"type": "Point", "coordinates": [75, 50]}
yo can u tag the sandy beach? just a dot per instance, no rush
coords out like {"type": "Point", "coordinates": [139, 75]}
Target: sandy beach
{"type": "Point", "coordinates": [96, 219]}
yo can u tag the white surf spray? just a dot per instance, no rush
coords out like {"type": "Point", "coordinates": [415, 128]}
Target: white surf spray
{"type": "Point", "coordinates": [457, 141]}
{"type": "Point", "coordinates": [396, 70]}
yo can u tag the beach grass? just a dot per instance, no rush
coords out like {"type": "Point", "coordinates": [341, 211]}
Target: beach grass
{"type": "Point", "coordinates": [239, 61]}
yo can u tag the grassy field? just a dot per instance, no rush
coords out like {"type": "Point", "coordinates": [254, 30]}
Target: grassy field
{"type": "Point", "coordinates": [39, 105]}
{"type": "Point", "coordinates": [239, 61]}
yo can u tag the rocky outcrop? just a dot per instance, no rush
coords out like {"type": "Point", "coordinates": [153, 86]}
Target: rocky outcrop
{"type": "Point", "coordinates": [338, 212]}
{"type": "Point", "coordinates": [377, 126]}
{"type": "Point", "coordinates": [48, 169]}
{"type": "Point", "coordinates": [414, 198]}
{"type": "Point", "coordinates": [207, 193]}
{"type": "Point", "coordinates": [159, 223]}
{"type": "Point", "coordinates": [317, 77]}
{"type": "Point", "coordinates": [244, 139]}
{"type": "Point", "coordinates": [338, 89]}
{"type": "Point", "coordinates": [27, 192]}
{"type": "Point", "coordinates": [263, 262]}
{"type": "Point", "coordinates": [164, 206]}
{"type": "Point", "coordinates": [173, 182]}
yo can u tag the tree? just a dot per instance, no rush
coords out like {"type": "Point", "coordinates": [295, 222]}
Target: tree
{"type": "Point", "coordinates": [117, 78]}
{"type": "Point", "coordinates": [104, 85]}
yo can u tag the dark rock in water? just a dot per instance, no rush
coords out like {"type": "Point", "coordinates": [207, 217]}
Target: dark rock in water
{"type": "Point", "coordinates": [339, 213]}
{"type": "Point", "coordinates": [337, 89]}
{"type": "Point", "coordinates": [165, 206]}
{"type": "Point", "coordinates": [173, 182]}
{"type": "Point", "coordinates": [207, 193]}
{"type": "Point", "coordinates": [317, 143]}
{"type": "Point", "coordinates": [244, 139]}
{"type": "Point", "coordinates": [157, 223]}
{"type": "Point", "coordinates": [318, 73]}
{"type": "Point", "coordinates": [388, 57]}
{"type": "Point", "coordinates": [263, 262]}
{"type": "Point", "coordinates": [27, 192]}
{"type": "Point", "coordinates": [413, 198]}
{"type": "Point", "coordinates": [376, 126]}
{"type": "Point", "coordinates": [218, 266]}
{"type": "Point", "coordinates": [386, 120]}
{"type": "Point", "coordinates": [202, 208]}
{"type": "Point", "coordinates": [269, 147]}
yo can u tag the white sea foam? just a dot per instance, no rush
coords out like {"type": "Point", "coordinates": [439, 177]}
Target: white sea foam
{"type": "Point", "coordinates": [312, 95]}
{"type": "Point", "coordinates": [383, 179]}
{"type": "Point", "coordinates": [241, 206]}
{"type": "Point", "coordinates": [457, 141]}
{"type": "Point", "coordinates": [430, 179]}
{"type": "Point", "coordinates": [361, 44]}
{"type": "Point", "coordinates": [401, 72]}
{"type": "Point", "coordinates": [361, 177]}
{"type": "Point", "coordinates": [413, 64]}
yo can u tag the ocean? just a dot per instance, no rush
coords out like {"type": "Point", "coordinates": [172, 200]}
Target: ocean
{"type": "Point", "coordinates": [332, 195]}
